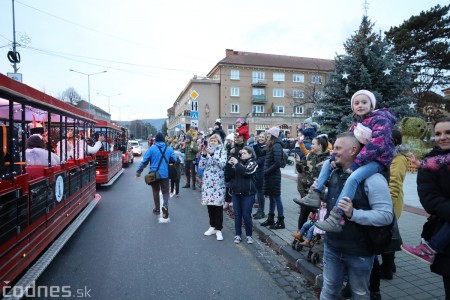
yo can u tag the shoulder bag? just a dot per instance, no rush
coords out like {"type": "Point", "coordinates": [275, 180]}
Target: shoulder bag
{"type": "Point", "coordinates": [173, 174]}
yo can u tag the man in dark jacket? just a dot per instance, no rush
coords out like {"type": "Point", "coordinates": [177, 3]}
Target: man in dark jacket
{"type": "Point", "coordinates": [158, 163]}
{"type": "Point", "coordinates": [348, 252]}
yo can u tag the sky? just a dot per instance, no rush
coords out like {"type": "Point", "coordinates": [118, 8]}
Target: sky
{"type": "Point", "coordinates": [151, 49]}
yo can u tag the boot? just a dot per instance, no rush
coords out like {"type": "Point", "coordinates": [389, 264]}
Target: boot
{"type": "Point", "coordinates": [306, 243]}
{"type": "Point", "coordinates": [332, 223]}
{"type": "Point", "coordinates": [297, 201]}
{"type": "Point", "coordinates": [279, 224]}
{"type": "Point", "coordinates": [259, 215]}
{"type": "Point", "coordinates": [186, 186]}
{"type": "Point", "coordinates": [269, 221]}
{"type": "Point", "coordinates": [312, 199]}
{"type": "Point", "coordinates": [298, 235]}
{"type": "Point", "coordinates": [165, 211]}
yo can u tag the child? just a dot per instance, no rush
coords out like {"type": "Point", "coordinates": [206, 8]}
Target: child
{"type": "Point", "coordinates": [373, 128]}
{"type": "Point", "coordinates": [242, 129]}
{"type": "Point", "coordinates": [175, 183]}
{"type": "Point", "coordinates": [309, 228]}
{"type": "Point", "coordinates": [426, 250]}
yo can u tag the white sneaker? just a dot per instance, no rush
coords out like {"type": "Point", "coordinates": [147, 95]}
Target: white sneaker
{"type": "Point", "coordinates": [210, 231]}
{"type": "Point", "coordinates": [219, 235]}
{"type": "Point", "coordinates": [226, 205]}
{"type": "Point", "coordinates": [249, 240]}
{"type": "Point", "coordinates": [237, 239]}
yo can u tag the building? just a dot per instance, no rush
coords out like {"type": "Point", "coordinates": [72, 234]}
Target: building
{"type": "Point", "coordinates": [265, 89]}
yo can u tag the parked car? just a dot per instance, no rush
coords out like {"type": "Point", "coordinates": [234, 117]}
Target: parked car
{"type": "Point", "coordinates": [136, 147]}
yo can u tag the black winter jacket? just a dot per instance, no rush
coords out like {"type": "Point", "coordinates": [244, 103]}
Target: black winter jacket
{"type": "Point", "coordinates": [260, 151]}
{"type": "Point", "coordinates": [434, 194]}
{"type": "Point", "coordinates": [243, 176]}
{"type": "Point", "coordinates": [272, 172]}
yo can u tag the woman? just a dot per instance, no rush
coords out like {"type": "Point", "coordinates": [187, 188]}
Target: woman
{"type": "Point", "coordinates": [36, 154]}
{"type": "Point", "coordinates": [309, 169]}
{"type": "Point", "coordinates": [272, 179]}
{"type": "Point", "coordinates": [260, 151]}
{"type": "Point", "coordinates": [243, 189]}
{"type": "Point", "coordinates": [434, 193]}
{"type": "Point", "coordinates": [213, 160]}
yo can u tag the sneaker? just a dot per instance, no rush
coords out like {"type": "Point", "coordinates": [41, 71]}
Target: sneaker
{"type": "Point", "coordinates": [237, 239]}
{"type": "Point", "coordinates": [332, 223]}
{"type": "Point", "coordinates": [219, 235]}
{"type": "Point", "coordinates": [171, 194]}
{"type": "Point", "coordinates": [311, 200]}
{"type": "Point", "coordinates": [186, 186]}
{"type": "Point", "coordinates": [422, 252]}
{"type": "Point", "coordinates": [177, 195]}
{"type": "Point", "coordinates": [156, 211]}
{"type": "Point", "coordinates": [249, 240]}
{"type": "Point", "coordinates": [226, 205]}
{"type": "Point", "coordinates": [165, 212]}
{"type": "Point", "coordinates": [210, 231]}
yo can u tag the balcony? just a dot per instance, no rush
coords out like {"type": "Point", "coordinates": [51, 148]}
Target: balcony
{"type": "Point", "coordinates": [259, 82]}
{"type": "Point", "coordinates": [259, 99]}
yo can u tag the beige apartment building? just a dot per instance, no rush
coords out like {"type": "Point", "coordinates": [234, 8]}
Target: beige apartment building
{"type": "Point", "coordinates": [265, 89]}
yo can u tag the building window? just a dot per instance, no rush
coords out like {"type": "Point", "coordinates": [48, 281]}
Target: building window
{"type": "Point", "coordinates": [318, 95]}
{"type": "Point", "coordinates": [279, 93]}
{"type": "Point", "coordinates": [258, 92]}
{"type": "Point", "coordinates": [234, 92]}
{"type": "Point", "coordinates": [278, 76]}
{"type": "Point", "coordinates": [298, 94]}
{"type": "Point", "coordinates": [278, 109]}
{"type": "Point", "coordinates": [231, 129]}
{"type": "Point", "coordinates": [258, 76]}
{"type": "Point", "coordinates": [258, 109]}
{"type": "Point", "coordinates": [316, 79]}
{"type": "Point", "coordinates": [299, 110]}
{"type": "Point", "coordinates": [234, 75]}
{"type": "Point", "coordinates": [298, 78]}
{"type": "Point", "coordinates": [234, 108]}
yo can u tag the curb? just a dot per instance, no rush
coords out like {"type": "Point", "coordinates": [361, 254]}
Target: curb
{"type": "Point", "coordinates": [296, 259]}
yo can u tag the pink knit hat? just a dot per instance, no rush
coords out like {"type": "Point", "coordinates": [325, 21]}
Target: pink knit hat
{"type": "Point", "coordinates": [240, 120]}
{"type": "Point", "coordinates": [369, 94]}
{"type": "Point", "coordinates": [275, 131]}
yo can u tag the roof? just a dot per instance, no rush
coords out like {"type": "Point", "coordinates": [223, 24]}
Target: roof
{"type": "Point", "coordinates": [276, 61]}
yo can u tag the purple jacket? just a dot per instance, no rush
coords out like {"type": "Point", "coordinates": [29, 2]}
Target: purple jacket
{"type": "Point", "coordinates": [381, 147]}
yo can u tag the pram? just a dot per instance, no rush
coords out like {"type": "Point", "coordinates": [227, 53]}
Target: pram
{"type": "Point", "coordinates": [312, 257]}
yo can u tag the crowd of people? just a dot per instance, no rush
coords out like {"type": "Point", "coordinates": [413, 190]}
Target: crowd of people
{"type": "Point", "coordinates": [362, 172]}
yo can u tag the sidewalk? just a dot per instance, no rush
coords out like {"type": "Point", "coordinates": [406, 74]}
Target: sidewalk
{"type": "Point", "coordinates": [413, 279]}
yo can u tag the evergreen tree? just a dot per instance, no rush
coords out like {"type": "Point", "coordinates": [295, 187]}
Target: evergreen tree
{"type": "Point", "coordinates": [367, 64]}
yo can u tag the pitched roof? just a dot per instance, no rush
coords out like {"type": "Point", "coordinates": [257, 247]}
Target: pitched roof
{"type": "Point", "coordinates": [276, 61]}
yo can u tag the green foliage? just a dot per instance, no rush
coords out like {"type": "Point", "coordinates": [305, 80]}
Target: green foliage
{"type": "Point", "coordinates": [370, 65]}
{"type": "Point", "coordinates": [423, 44]}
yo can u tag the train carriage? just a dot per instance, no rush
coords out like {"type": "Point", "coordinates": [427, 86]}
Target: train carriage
{"type": "Point", "coordinates": [37, 202]}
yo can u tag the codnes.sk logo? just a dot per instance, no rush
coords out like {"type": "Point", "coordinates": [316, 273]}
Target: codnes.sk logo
{"type": "Point", "coordinates": [52, 291]}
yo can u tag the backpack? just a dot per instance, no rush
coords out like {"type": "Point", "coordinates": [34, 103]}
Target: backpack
{"type": "Point", "coordinates": [284, 159]}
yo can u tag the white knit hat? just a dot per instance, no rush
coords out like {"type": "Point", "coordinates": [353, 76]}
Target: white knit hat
{"type": "Point", "coordinates": [369, 94]}
{"type": "Point", "coordinates": [230, 136]}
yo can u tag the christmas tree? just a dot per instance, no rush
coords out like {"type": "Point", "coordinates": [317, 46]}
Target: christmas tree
{"type": "Point", "coordinates": [367, 64]}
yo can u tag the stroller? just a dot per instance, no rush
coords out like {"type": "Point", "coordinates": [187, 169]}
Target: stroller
{"type": "Point", "coordinates": [312, 257]}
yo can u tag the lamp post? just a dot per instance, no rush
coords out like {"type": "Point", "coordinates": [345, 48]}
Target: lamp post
{"type": "Point", "coordinates": [89, 83]}
{"type": "Point", "coordinates": [109, 96]}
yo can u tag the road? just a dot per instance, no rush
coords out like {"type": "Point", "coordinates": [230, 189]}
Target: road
{"type": "Point", "coordinates": [123, 252]}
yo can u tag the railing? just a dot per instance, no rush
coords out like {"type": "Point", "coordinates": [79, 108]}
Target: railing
{"type": "Point", "coordinates": [259, 98]}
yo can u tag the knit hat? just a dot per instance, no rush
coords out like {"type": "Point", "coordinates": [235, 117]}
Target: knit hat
{"type": "Point", "coordinates": [218, 122]}
{"type": "Point", "coordinates": [369, 94]}
{"type": "Point", "coordinates": [159, 137]}
{"type": "Point", "coordinates": [240, 120]}
{"type": "Point", "coordinates": [308, 121]}
{"type": "Point", "coordinates": [35, 141]}
{"type": "Point", "coordinates": [188, 136]}
{"type": "Point", "coordinates": [275, 131]}
{"type": "Point", "coordinates": [230, 136]}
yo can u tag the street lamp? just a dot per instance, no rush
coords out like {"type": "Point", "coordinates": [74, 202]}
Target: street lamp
{"type": "Point", "coordinates": [109, 96]}
{"type": "Point", "coordinates": [89, 83]}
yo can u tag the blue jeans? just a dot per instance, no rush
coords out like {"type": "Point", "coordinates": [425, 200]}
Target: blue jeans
{"type": "Point", "coordinates": [353, 180]}
{"type": "Point", "coordinates": [308, 228]}
{"type": "Point", "coordinates": [337, 265]}
{"type": "Point", "coordinates": [276, 200]}
{"type": "Point", "coordinates": [441, 239]}
{"type": "Point", "coordinates": [261, 200]}
{"type": "Point", "coordinates": [242, 207]}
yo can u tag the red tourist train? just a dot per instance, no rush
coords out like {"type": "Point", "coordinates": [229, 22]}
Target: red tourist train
{"type": "Point", "coordinates": [38, 202]}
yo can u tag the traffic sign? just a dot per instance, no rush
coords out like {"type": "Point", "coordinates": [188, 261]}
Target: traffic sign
{"type": "Point", "coordinates": [194, 95]}
{"type": "Point", "coordinates": [194, 115]}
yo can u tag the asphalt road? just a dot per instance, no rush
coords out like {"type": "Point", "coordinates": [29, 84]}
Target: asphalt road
{"type": "Point", "coordinates": [123, 252]}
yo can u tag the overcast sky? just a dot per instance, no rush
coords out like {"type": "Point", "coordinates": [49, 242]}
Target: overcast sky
{"type": "Point", "coordinates": [151, 49]}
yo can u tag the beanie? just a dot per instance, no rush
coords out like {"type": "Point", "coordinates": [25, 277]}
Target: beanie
{"type": "Point", "coordinates": [230, 136]}
{"type": "Point", "coordinates": [218, 122]}
{"type": "Point", "coordinates": [240, 120]}
{"type": "Point", "coordinates": [188, 136]}
{"type": "Point", "coordinates": [369, 94]}
{"type": "Point", "coordinates": [308, 121]}
{"type": "Point", "coordinates": [159, 137]}
{"type": "Point", "coordinates": [275, 131]}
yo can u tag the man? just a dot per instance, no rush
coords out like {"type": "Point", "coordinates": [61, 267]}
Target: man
{"type": "Point", "coordinates": [190, 150]}
{"type": "Point", "coordinates": [347, 252]}
{"type": "Point", "coordinates": [159, 164]}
